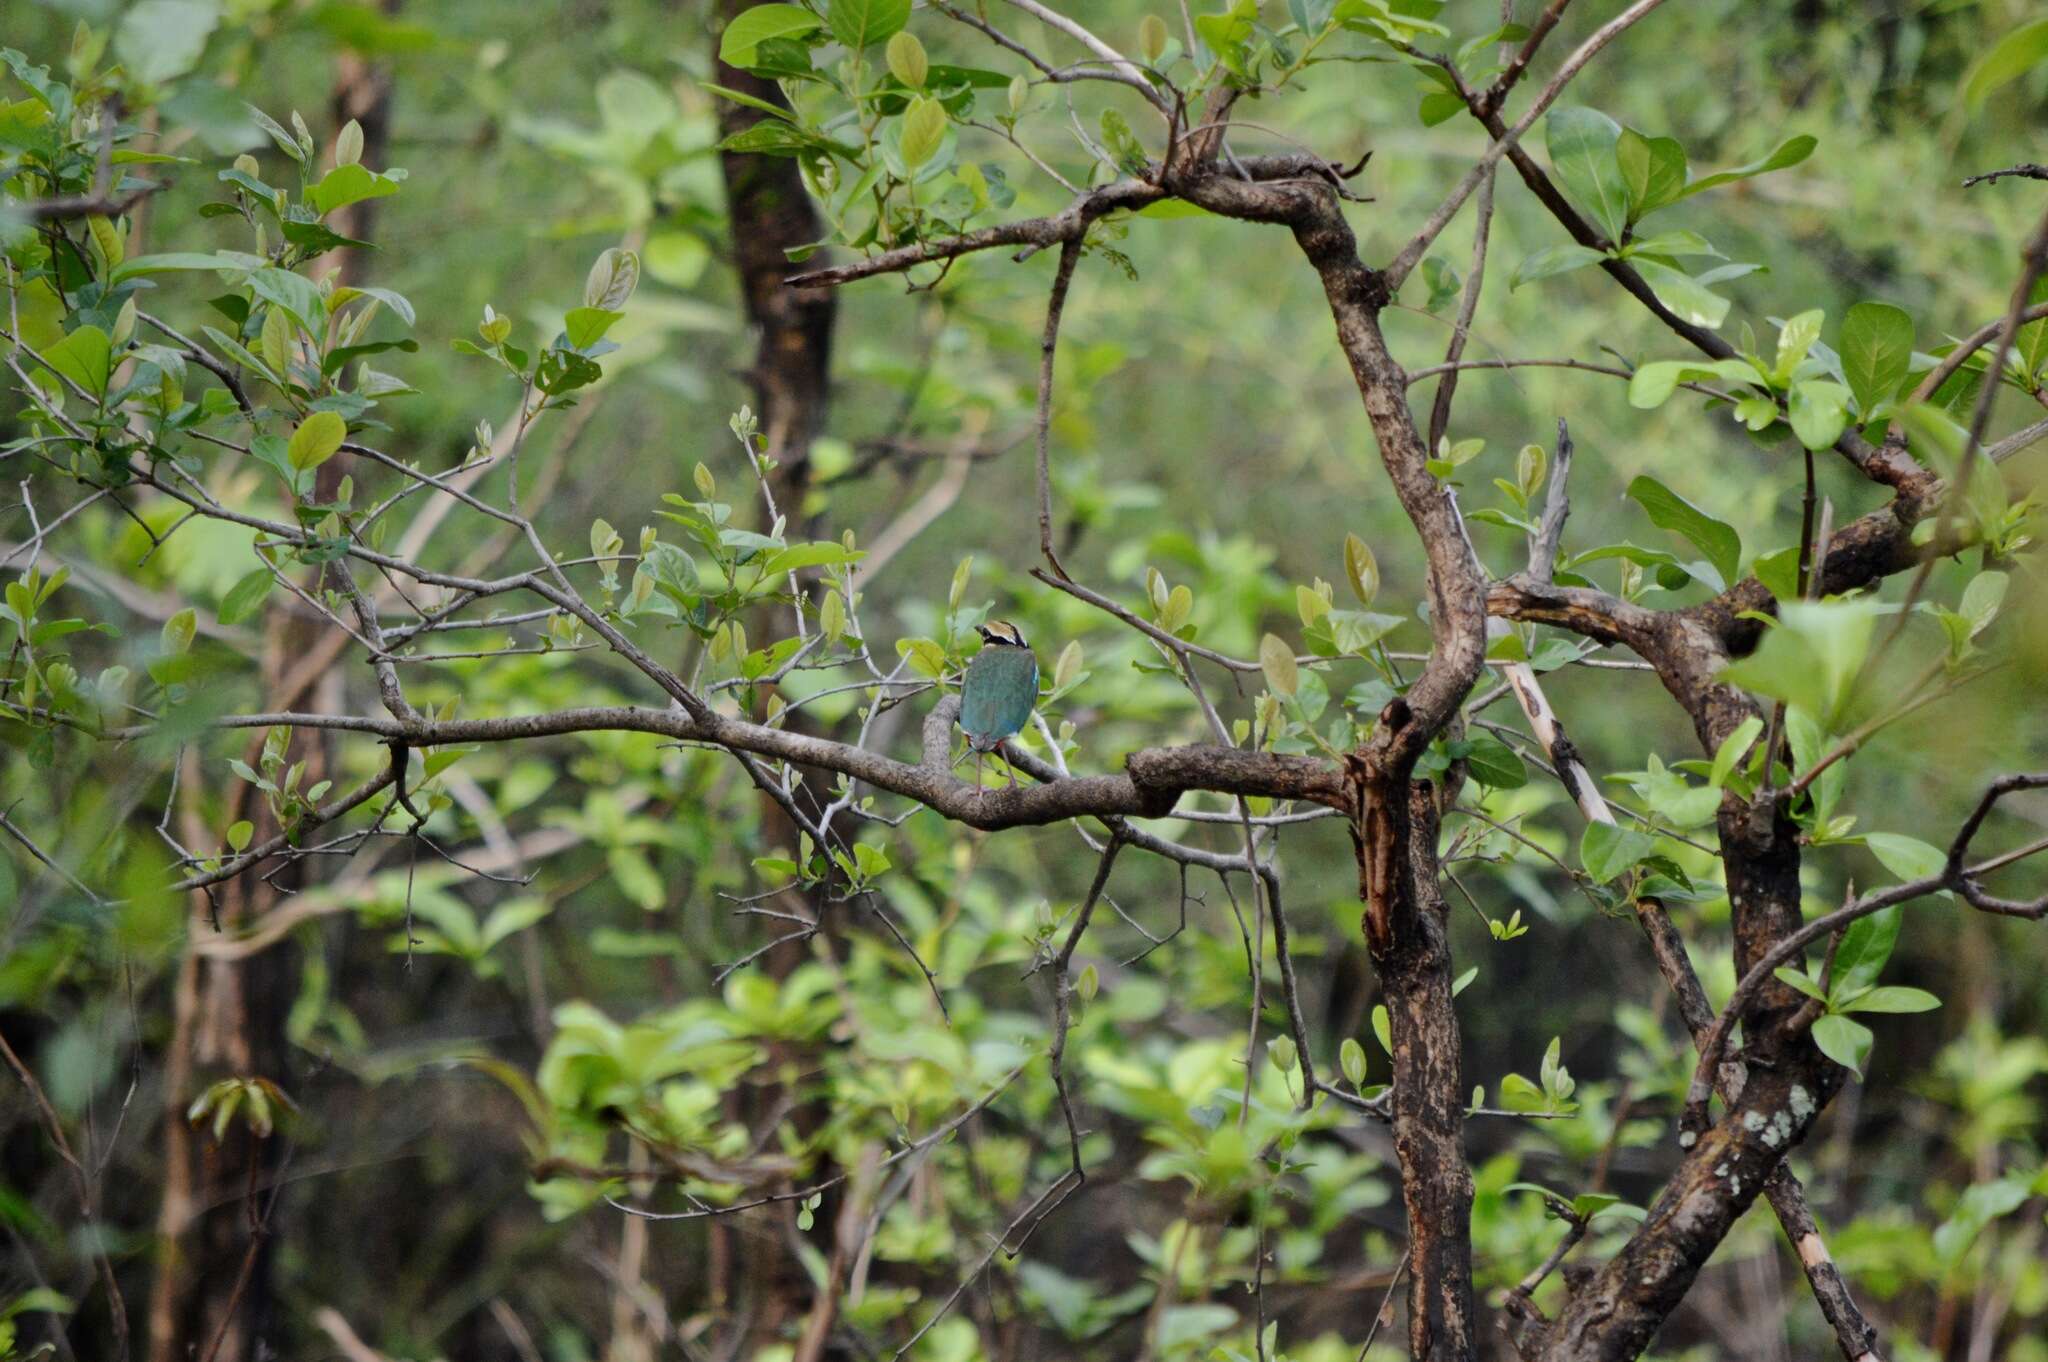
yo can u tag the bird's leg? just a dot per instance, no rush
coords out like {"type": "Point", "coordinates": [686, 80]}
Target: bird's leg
{"type": "Point", "coordinates": [978, 791]}
{"type": "Point", "coordinates": [1003, 750]}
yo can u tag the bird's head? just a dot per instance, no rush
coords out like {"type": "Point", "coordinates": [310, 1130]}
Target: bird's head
{"type": "Point", "coordinates": [1003, 632]}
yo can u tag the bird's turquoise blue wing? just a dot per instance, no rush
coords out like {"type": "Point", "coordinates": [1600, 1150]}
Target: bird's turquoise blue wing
{"type": "Point", "coordinates": [998, 695]}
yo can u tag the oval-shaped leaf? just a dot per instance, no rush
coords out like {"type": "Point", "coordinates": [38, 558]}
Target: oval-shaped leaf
{"type": "Point", "coordinates": [863, 23]}
{"type": "Point", "coordinates": [316, 440]}
{"type": "Point", "coordinates": [1877, 351]}
{"type": "Point", "coordinates": [1276, 659]}
{"type": "Point", "coordinates": [753, 27]}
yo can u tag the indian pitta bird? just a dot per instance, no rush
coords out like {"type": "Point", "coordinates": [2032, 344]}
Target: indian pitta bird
{"type": "Point", "coordinates": [999, 692]}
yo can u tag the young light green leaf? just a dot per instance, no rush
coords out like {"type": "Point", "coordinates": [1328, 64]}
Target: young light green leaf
{"type": "Point", "coordinates": [1361, 569]}
{"type": "Point", "coordinates": [613, 277]}
{"type": "Point", "coordinates": [316, 440]}
{"type": "Point", "coordinates": [907, 59]}
{"type": "Point", "coordinates": [178, 632]}
{"type": "Point", "coordinates": [1817, 412]}
{"type": "Point", "coordinates": [1276, 659]}
{"type": "Point", "coordinates": [348, 144]}
{"type": "Point", "coordinates": [1795, 339]}
{"type": "Point", "coordinates": [1067, 670]}
{"type": "Point", "coordinates": [1530, 467]}
{"type": "Point", "coordinates": [1180, 603]}
{"type": "Point", "coordinates": [1732, 748]}
{"type": "Point", "coordinates": [1981, 600]}
{"type": "Point", "coordinates": [1351, 1058]}
{"type": "Point", "coordinates": [1152, 37]}
{"type": "Point", "coordinates": [924, 130]}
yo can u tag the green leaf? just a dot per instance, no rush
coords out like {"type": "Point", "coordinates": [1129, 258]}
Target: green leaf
{"type": "Point", "coordinates": [822, 553]}
{"type": "Point", "coordinates": [1892, 998]}
{"type": "Point", "coordinates": [1608, 849]}
{"type": "Point", "coordinates": [1492, 762]}
{"type": "Point", "coordinates": [1817, 413]}
{"type": "Point", "coordinates": [907, 59]}
{"type": "Point", "coordinates": [294, 293]}
{"type": "Point", "coordinates": [924, 129]}
{"type": "Point", "coordinates": [1582, 145]}
{"type": "Point", "coordinates": [179, 631]}
{"type": "Point", "coordinates": [1670, 511]}
{"type": "Point", "coordinates": [2009, 58]}
{"type": "Point", "coordinates": [1981, 600]}
{"type": "Point", "coordinates": [1845, 1042]}
{"type": "Point", "coordinates": [636, 878]}
{"type": "Point", "coordinates": [1811, 658]}
{"type": "Point", "coordinates": [1908, 858]}
{"type": "Point", "coordinates": [585, 326]}
{"type": "Point", "coordinates": [1732, 749]}
{"type": "Point", "coordinates": [1586, 1205]}
{"type": "Point", "coordinates": [1276, 659]}
{"type": "Point", "coordinates": [86, 357]}
{"type": "Point", "coordinates": [245, 597]}
{"type": "Point", "coordinates": [1679, 241]}
{"type": "Point", "coordinates": [863, 23]}
{"type": "Point", "coordinates": [753, 27]}
{"type": "Point", "coordinates": [1351, 1058]}
{"type": "Point", "coordinates": [1553, 260]}
{"type": "Point", "coordinates": [351, 183]}
{"type": "Point", "coordinates": [1801, 980]}
{"type": "Point", "coordinates": [1361, 569]}
{"type": "Point", "coordinates": [1866, 945]}
{"type": "Point", "coordinates": [1683, 294]}
{"type": "Point", "coordinates": [1877, 350]}
{"type": "Point", "coordinates": [160, 40]}
{"type": "Point", "coordinates": [168, 262]}
{"type": "Point", "coordinates": [1795, 339]}
{"type": "Point", "coordinates": [1653, 171]}
{"type": "Point", "coordinates": [1789, 153]}
{"type": "Point", "coordinates": [1383, 1028]}
{"type": "Point", "coordinates": [316, 440]}
{"type": "Point", "coordinates": [1779, 572]}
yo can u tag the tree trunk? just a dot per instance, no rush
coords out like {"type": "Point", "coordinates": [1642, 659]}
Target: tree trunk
{"type": "Point", "coordinates": [212, 1297]}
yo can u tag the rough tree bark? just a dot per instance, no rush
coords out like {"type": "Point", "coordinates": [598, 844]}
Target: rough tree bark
{"type": "Point", "coordinates": [769, 214]}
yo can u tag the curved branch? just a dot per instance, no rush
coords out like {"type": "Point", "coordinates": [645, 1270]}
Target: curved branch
{"type": "Point", "coordinates": [1152, 781]}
